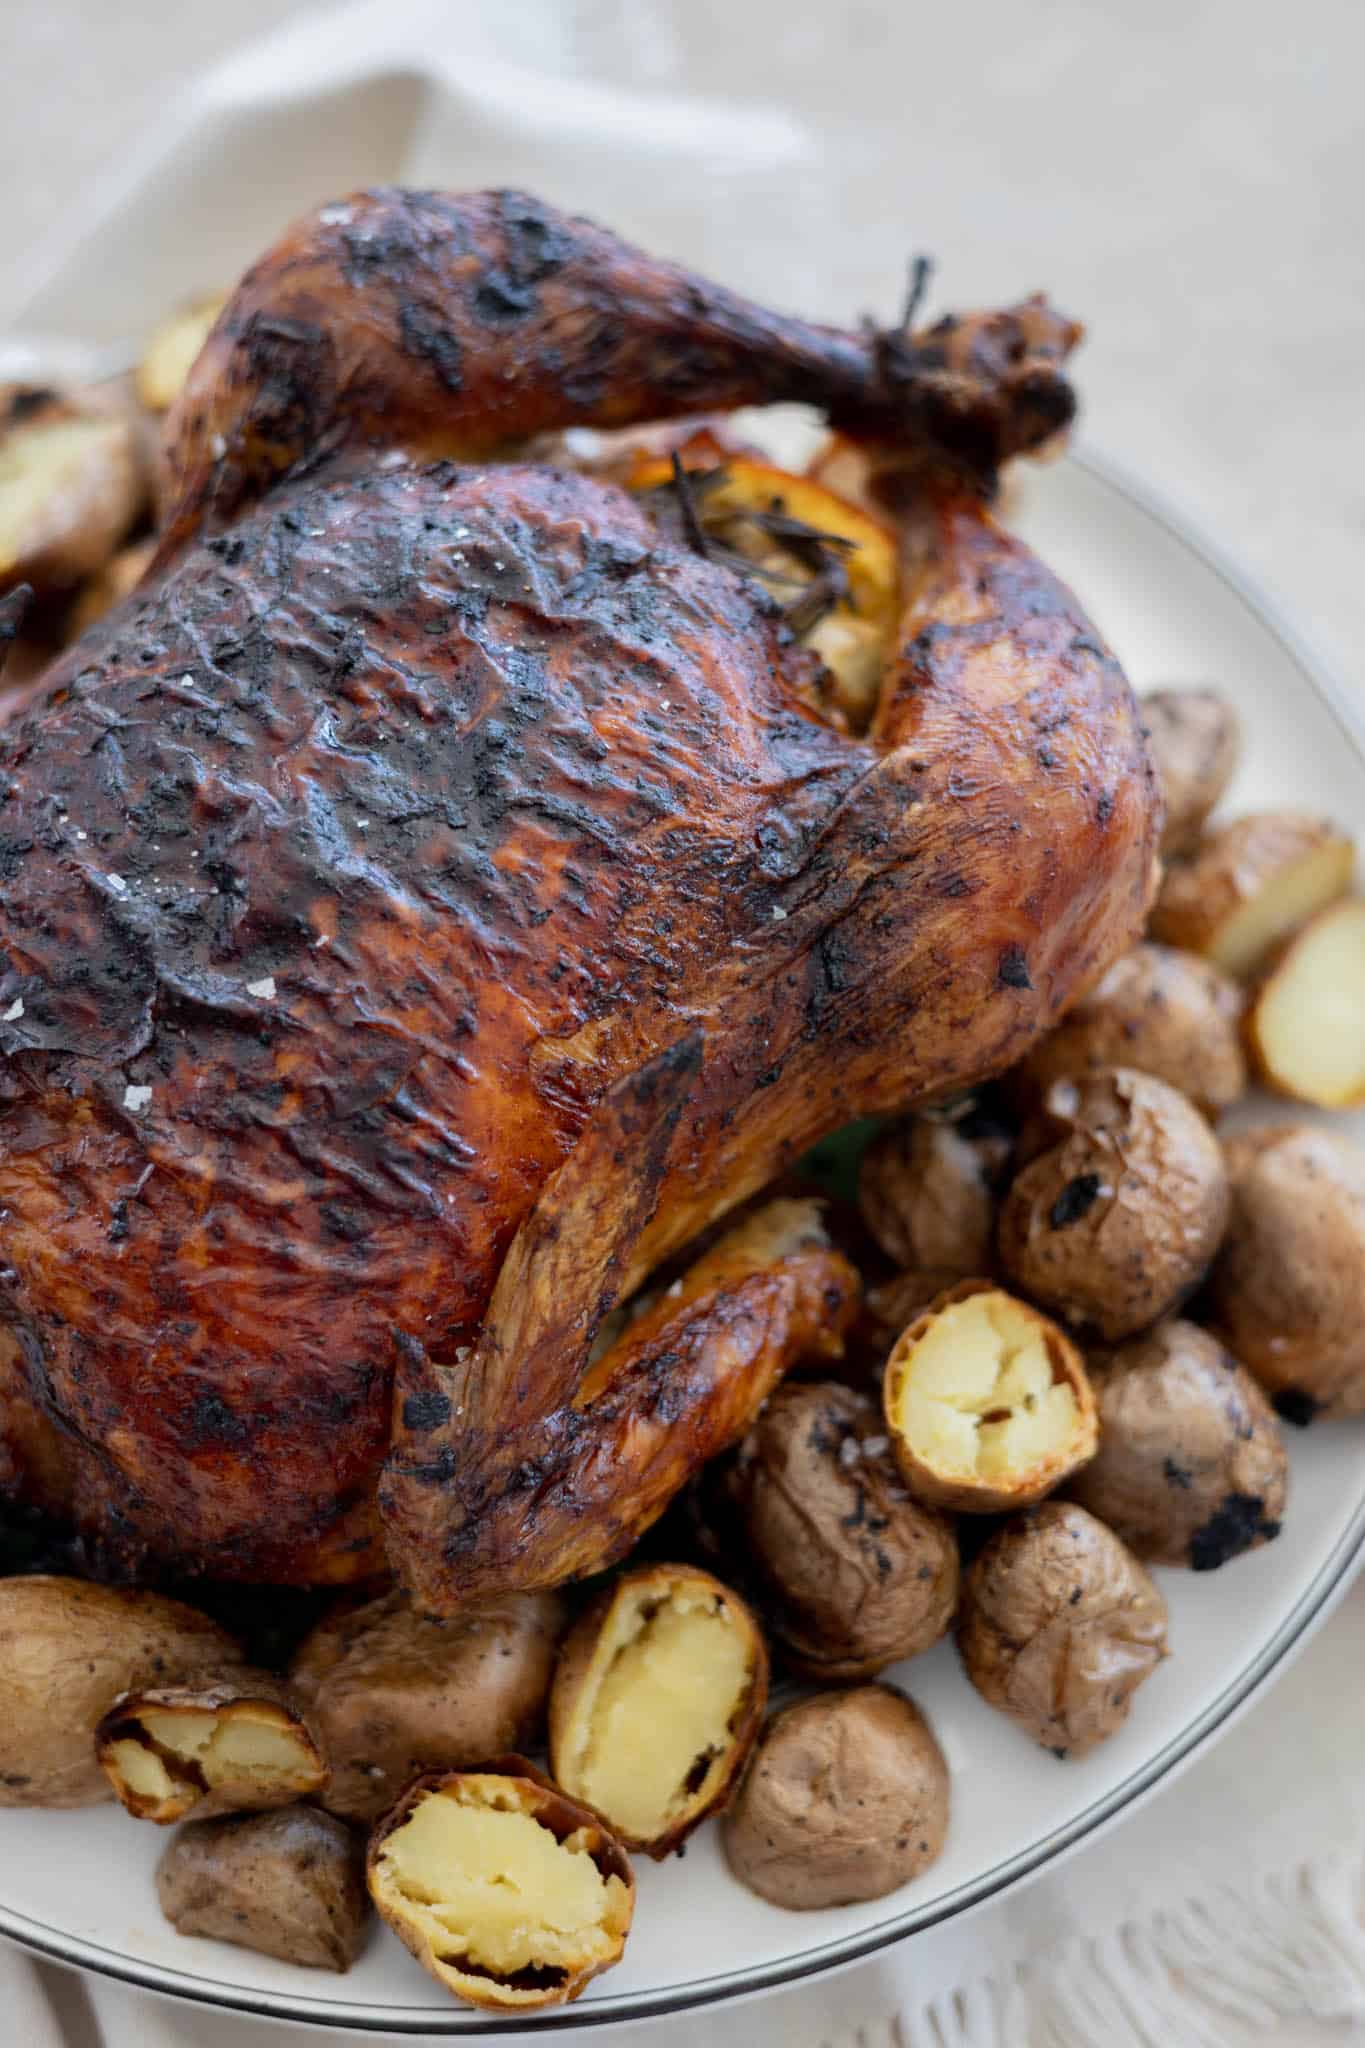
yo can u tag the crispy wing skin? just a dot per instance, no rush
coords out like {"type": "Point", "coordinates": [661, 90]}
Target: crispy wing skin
{"type": "Point", "coordinates": [461, 325]}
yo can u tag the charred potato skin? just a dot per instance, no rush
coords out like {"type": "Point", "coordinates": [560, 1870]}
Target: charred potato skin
{"type": "Point", "coordinates": [846, 1799]}
{"type": "Point", "coordinates": [554, 1810]}
{"type": "Point", "coordinates": [855, 1573]}
{"type": "Point", "coordinates": [289, 1883]}
{"type": "Point", "coordinates": [979, 1496]}
{"type": "Point", "coordinates": [1194, 737]}
{"type": "Point", "coordinates": [927, 1191]}
{"type": "Point", "coordinates": [240, 1688]}
{"type": "Point", "coordinates": [1160, 1011]}
{"type": "Point", "coordinates": [67, 1650]}
{"type": "Point", "coordinates": [394, 1693]}
{"type": "Point", "coordinates": [575, 1661]}
{"type": "Point", "coordinates": [1191, 1468]}
{"type": "Point", "coordinates": [1287, 1291]}
{"type": "Point", "coordinates": [1121, 1205]}
{"type": "Point", "coordinates": [1059, 1626]}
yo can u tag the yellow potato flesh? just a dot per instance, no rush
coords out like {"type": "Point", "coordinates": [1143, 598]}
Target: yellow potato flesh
{"type": "Point", "coordinates": [1285, 901]}
{"type": "Point", "coordinates": [665, 1699]}
{"type": "Point", "coordinates": [1308, 1023]}
{"type": "Point", "coordinates": [226, 1744]}
{"type": "Point", "coordinates": [978, 1398]}
{"type": "Point", "coordinates": [489, 1885]}
{"type": "Point", "coordinates": [44, 472]}
{"type": "Point", "coordinates": [171, 353]}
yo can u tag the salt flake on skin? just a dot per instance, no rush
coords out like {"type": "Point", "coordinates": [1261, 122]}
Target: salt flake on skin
{"type": "Point", "coordinates": [336, 216]}
{"type": "Point", "coordinates": [264, 988]}
{"type": "Point", "coordinates": [217, 447]}
{"type": "Point", "coordinates": [136, 1098]}
{"type": "Point", "coordinates": [14, 1012]}
{"type": "Point", "coordinates": [117, 883]}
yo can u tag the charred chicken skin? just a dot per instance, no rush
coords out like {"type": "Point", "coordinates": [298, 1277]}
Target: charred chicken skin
{"type": "Point", "coordinates": [433, 900]}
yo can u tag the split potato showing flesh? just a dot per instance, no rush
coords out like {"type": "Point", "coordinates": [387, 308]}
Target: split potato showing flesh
{"type": "Point", "coordinates": [846, 1799]}
{"type": "Point", "coordinates": [1191, 1468]}
{"type": "Point", "coordinates": [71, 486]}
{"type": "Point", "coordinates": [511, 1895]}
{"type": "Point", "coordinates": [1194, 737]}
{"type": "Point", "coordinates": [854, 1574]}
{"type": "Point", "coordinates": [1287, 1291]}
{"type": "Point", "coordinates": [1306, 1026]}
{"type": "Point", "coordinates": [814, 550]}
{"type": "Point", "coordinates": [987, 1403]}
{"type": "Point", "coordinates": [67, 1650]}
{"type": "Point", "coordinates": [656, 1702]}
{"type": "Point", "coordinates": [289, 1884]}
{"type": "Point", "coordinates": [394, 1693]}
{"type": "Point", "coordinates": [1251, 885]}
{"type": "Point", "coordinates": [1120, 1205]}
{"type": "Point", "coordinates": [170, 354]}
{"type": "Point", "coordinates": [1060, 1625]}
{"type": "Point", "coordinates": [228, 1745]}
{"type": "Point", "coordinates": [1159, 1011]}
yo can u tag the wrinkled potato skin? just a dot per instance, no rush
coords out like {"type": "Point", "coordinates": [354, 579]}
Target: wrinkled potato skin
{"type": "Point", "coordinates": [856, 1574]}
{"type": "Point", "coordinates": [563, 1817]}
{"type": "Point", "coordinates": [572, 1670]}
{"type": "Point", "coordinates": [1114, 1261]}
{"type": "Point", "coordinates": [1194, 737]}
{"type": "Point", "coordinates": [1161, 1012]}
{"type": "Point", "coordinates": [67, 1650]}
{"type": "Point", "coordinates": [927, 1194]}
{"type": "Point", "coordinates": [211, 1694]}
{"type": "Point", "coordinates": [1287, 1291]}
{"type": "Point", "coordinates": [1059, 1626]}
{"type": "Point", "coordinates": [289, 1884]}
{"type": "Point", "coordinates": [1191, 1468]}
{"type": "Point", "coordinates": [846, 1799]}
{"type": "Point", "coordinates": [395, 1693]}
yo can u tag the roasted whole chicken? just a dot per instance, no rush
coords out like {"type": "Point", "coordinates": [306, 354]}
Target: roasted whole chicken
{"type": "Point", "coordinates": [442, 892]}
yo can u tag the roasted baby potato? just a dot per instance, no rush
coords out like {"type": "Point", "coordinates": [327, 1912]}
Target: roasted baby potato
{"type": "Point", "coordinates": [1120, 1206]}
{"type": "Point", "coordinates": [169, 355]}
{"type": "Point", "coordinates": [67, 1650]}
{"type": "Point", "coordinates": [1195, 738]}
{"type": "Point", "coordinates": [656, 1702]}
{"type": "Point", "coordinates": [1287, 1292]}
{"type": "Point", "coordinates": [927, 1190]}
{"type": "Point", "coordinates": [71, 485]}
{"type": "Point", "coordinates": [110, 585]}
{"type": "Point", "coordinates": [1191, 1468]}
{"type": "Point", "coordinates": [289, 1884]}
{"type": "Point", "coordinates": [1060, 1625]}
{"type": "Point", "coordinates": [854, 1574]}
{"type": "Point", "coordinates": [846, 1799]}
{"type": "Point", "coordinates": [1306, 1025]}
{"type": "Point", "coordinates": [797, 533]}
{"type": "Point", "coordinates": [1157, 1010]}
{"type": "Point", "coordinates": [1250, 885]}
{"type": "Point", "coordinates": [394, 1693]}
{"type": "Point", "coordinates": [511, 1895]}
{"type": "Point", "coordinates": [234, 1744]}
{"type": "Point", "coordinates": [987, 1402]}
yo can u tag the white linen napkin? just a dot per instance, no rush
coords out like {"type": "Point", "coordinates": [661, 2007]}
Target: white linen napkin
{"type": "Point", "coordinates": [1228, 1908]}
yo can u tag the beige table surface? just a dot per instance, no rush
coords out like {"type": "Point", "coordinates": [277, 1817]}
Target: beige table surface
{"type": "Point", "coordinates": [1224, 278]}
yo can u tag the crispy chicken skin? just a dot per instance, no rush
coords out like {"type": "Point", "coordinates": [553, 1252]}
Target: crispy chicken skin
{"type": "Point", "coordinates": [427, 905]}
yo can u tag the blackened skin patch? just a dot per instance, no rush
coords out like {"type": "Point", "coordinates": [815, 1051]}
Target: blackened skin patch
{"type": "Point", "coordinates": [1291, 1404]}
{"type": "Point", "coordinates": [1012, 971]}
{"type": "Point", "coordinates": [1240, 1522]}
{"type": "Point", "coordinates": [1076, 1200]}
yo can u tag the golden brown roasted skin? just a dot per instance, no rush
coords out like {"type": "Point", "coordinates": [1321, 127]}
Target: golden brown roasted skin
{"type": "Point", "coordinates": [425, 908]}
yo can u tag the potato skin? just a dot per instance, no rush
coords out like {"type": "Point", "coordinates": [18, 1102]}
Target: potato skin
{"type": "Point", "coordinates": [1122, 1204]}
{"type": "Point", "coordinates": [1191, 1468]}
{"type": "Point", "coordinates": [1157, 1010]}
{"type": "Point", "coordinates": [67, 1650]}
{"type": "Point", "coordinates": [1287, 1292]}
{"type": "Point", "coordinates": [554, 1810]}
{"type": "Point", "coordinates": [1194, 737]}
{"type": "Point", "coordinates": [846, 1798]}
{"type": "Point", "coordinates": [575, 1659]}
{"type": "Point", "coordinates": [289, 1884]}
{"type": "Point", "coordinates": [856, 1575]}
{"type": "Point", "coordinates": [395, 1693]}
{"type": "Point", "coordinates": [1059, 1626]}
{"type": "Point", "coordinates": [927, 1188]}
{"type": "Point", "coordinates": [1201, 895]}
{"type": "Point", "coordinates": [240, 1687]}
